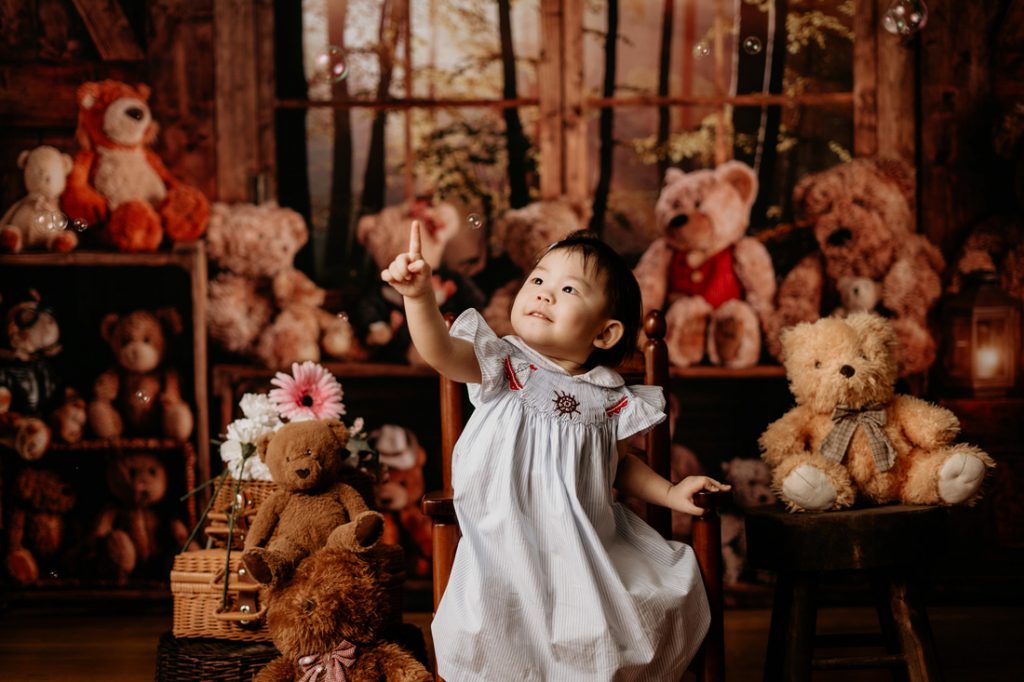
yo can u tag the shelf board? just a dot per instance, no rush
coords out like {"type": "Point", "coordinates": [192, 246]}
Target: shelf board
{"type": "Point", "coordinates": [119, 444]}
{"type": "Point", "coordinates": [181, 255]}
{"type": "Point", "coordinates": [341, 370]}
{"type": "Point", "coordinates": [708, 372]}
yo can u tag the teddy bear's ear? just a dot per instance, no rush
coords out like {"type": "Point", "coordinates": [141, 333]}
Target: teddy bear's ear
{"type": "Point", "coordinates": [897, 172]}
{"type": "Point", "coordinates": [262, 443]}
{"type": "Point", "coordinates": [338, 429]}
{"type": "Point", "coordinates": [740, 176]}
{"type": "Point", "coordinates": [143, 91]}
{"type": "Point", "coordinates": [873, 329]}
{"type": "Point", "coordinates": [171, 319]}
{"type": "Point", "coordinates": [673, 175]}
{"type": "Point", "coordinates": [89, 94]}
{"type": "Point", "coordinates": [23, 158]}
{"type": "Point", "coordinates": [107, 326]}
{"type": "Point", "coordinates": [792, 337]}
{"type": "Point", "coordinates": [803, 186]}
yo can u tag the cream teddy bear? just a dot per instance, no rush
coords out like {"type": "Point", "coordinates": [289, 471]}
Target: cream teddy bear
{"type": "Point", "coordinates": [851, 436]}
{"type": "Point", "coordinates": [716, 283]}
{"type": "Point", "coordinates": [36, 221]}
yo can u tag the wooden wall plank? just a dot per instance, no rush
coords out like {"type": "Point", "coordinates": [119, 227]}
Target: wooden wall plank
{"type": "Point", "coordinates": [896, 122]}
{"type": "Point", "coordinates": [865, 88]}
{"type": "Point", "coordinates": [574, 125]}
{"type": "Point", "coordinates": [235, 98]}
{"type": "Point", "coordinates": [549, 125]}
{"type": "Point", "coordinates": [266, 159]}
{"type": "Point", "coordinates": [109, 29]}
{"type": "Point", "coordinates": [42, 95]}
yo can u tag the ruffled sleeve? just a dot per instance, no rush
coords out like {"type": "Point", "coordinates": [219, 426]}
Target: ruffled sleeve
{"type": "Point", "coordinates": [492, 353]}
{"type": "Point", "coordinates": [644, 409]}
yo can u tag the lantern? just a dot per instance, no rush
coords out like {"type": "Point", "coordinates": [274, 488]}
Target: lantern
{"type": "Point", "coordinates": [982, 337]}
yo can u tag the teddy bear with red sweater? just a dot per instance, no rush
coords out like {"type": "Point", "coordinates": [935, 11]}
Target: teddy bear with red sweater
{"type": "Point", "coordinates": [117, 180]}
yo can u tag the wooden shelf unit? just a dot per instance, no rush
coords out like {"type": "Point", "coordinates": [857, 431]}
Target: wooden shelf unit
{"type": "Point", "coordinates": [187, 256]}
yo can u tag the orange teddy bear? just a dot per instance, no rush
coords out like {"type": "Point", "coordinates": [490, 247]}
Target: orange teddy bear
{"type": "Point", "coordinates": [119, 180]}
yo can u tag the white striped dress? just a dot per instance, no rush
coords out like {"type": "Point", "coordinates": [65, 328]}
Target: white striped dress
{"type": "Point", "coordinates": [553, 580]}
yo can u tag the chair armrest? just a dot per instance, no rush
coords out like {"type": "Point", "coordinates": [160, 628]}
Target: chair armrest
{"type": "Point", "coordinates": [439, 506]}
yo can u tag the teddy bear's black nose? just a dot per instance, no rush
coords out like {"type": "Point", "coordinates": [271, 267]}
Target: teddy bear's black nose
{"type": "Point", "coordinates": [839, 237]}
{"type": "Point", "coordinates": [302, 473]}
{"type": "Point", "coordinates": [847, 371]}
{"type": "Point", "coordinates": [135, 112]}
{"type": "Point", "coordinates": [679, 220]}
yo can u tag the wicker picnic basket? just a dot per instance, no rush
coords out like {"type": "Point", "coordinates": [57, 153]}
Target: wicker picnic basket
{"type": "Point", "coordinates": [251, 494]}
{"type": "Point", "coordinates": [197, 585]}
{"type": "Point", "coordinates": [210, 660]}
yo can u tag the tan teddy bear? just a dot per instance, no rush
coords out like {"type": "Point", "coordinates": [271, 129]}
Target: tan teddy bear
{"type": "Point", "coordinates": [400, 493]}
{"type": "Point", "coordinates": [716, 283]}
{"type": "Point", "coordinates": [311, 504]}
{"type": "Point", "coordinates": [35, 221]}
{"type": "Point", "coordinates": [850, 435]}
{"type": "Point", "coordinates": [138, 395]}
{"type": "Point", "coordinates": [35, 525]}
{"type": "Point", "coordinates": [861, 213]}
{"type": "Point", "coordinates": [523, 234]}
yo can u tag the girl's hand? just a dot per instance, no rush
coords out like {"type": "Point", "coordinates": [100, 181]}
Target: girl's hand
{"type": "Point", "coordinates": [680, 496]}
{"type": "Point", "coordinates": [409, 274]}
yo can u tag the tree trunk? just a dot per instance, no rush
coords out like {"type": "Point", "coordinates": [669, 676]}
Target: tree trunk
{"type": "Point", "coordinates": [375, 179]}
{"type": "Point", "coordinates": [339, 233]}
{"type": "Point", "coordinates": [519, 194]}
{"type": "Point", "coordinates": [290, 124]}
{"type": "Point", "coordinates": [664, 67]}
{"type": "Point", "coordinates": [606, 124]}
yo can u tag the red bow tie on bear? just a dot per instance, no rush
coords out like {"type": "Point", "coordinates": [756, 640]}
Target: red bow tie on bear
{"type": "Point", "coordinates": [333, 663]}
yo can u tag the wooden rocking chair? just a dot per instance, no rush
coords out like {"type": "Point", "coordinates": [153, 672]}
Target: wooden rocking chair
{"type": "Point", "coordinates": [709, 664]}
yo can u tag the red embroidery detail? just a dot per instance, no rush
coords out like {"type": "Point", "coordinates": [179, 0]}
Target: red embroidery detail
{"type": "Point", "coordinates": [617, 407]}
{"type": "Point", "coordinates": [533, 367]}
{"type": "Point", "coordinates": [513, 380]}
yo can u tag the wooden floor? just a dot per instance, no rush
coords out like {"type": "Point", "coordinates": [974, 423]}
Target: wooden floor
{"type": "Point", "coordinates": [76, 644]}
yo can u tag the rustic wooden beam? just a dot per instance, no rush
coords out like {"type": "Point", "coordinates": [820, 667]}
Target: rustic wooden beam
{"type": "Point", "coordinates": [266, 154]}
{"type": "Point", "coordinates": [897, 95]}
{"type": "Point", "coordinates": [865, 78]}
{"type": "Point", "coordinates": [238, 157]}
{"type": "Point", "coordinates": [549, 124]}
{"type": "Point", "coordinates": [109, 29]}
{"type": "Point", "coordinates": [574, 126]}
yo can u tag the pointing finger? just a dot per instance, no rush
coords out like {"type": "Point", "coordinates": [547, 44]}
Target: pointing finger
{"type": "Point", "coordinates": [414, 240]}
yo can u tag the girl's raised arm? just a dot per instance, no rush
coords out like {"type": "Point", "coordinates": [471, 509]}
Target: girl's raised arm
{"type": "Point", "coordinates": [410, 275]}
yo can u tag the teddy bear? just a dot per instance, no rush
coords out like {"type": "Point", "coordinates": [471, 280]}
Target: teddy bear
{"type": "Point", "coordinates": [118, 180]}
{"type": "Point", "coordinates": [260, 306]}
{"type": "Point", "coordinates": [311, 503]}
{"type": "Point", "coordinates": [379, 316]}
{"type": "Point", "coordinates": [522, 234]}
{"type": "Point", "coordinates": [850, 435]}
{"type": "Point", "coordinates": [993, 245]}
{"type": "Point", "coordinates": [399, 495]}
{"type": "Point", "coordinates": [132, 536]}
{"type": "Point", "coordinates": [332, 620]}
{"type": "Point", "coordinates": [36, 524]}
{"type": "Point", "coordinates": [751, 481]}
{"type": "Point", "coordinates": [861, 215]}
{"type": "Point", "coordinates": [138, 395]}
{"type": "Point", "coordinates": [857, 295]}
{"type": "Point", "coordinates": [35, 221]}
{"type": "Point", "coordinates": [715, 283]}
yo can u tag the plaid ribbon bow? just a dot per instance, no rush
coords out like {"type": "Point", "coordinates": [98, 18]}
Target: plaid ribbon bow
{"type": "Point", "coordinates": [847, 419]}
{"type": "Point", "coordinates": [333, 663]}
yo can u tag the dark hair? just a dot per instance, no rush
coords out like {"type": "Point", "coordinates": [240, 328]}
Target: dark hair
{"type": "Point", "coordinates": [620, 288]}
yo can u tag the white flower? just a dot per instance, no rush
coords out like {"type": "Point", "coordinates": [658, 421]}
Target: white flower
{"type": "Point", "coordinates": [254, 470]}
{"type": "Point", "coordinates": [257, 406]}
{"type": "Point", "coordinates": [242, 436]}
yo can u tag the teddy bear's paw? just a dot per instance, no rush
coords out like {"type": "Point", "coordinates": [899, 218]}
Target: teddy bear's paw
{"type": "Point", "coordinates": [256, 563]}
{"type": "Point", "coordinates": [10, 240]}
{"type": "Point", "coordinates": [808, 487]}
{"type": "Point", "coordinates": [21, 566]}
{"type": "Point", "coordinates": [121, 551]}
{"type": "Point", "coordinates": [369, 529]}
{"type": "Point", "coordinates": [960, 478]}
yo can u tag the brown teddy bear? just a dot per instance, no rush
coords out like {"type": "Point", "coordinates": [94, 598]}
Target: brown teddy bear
{"type": "Point", "coordinates": [35, 527]}
{"type": "Point", "coordinates": [400, 493]}
{"type": "Point", "coordinates": [138, 396]}
{"type": "Point", "coordinates": [861, 213]}
{"type": "Point", "coordinates": [994, 245]}
{"type": "Point", "coordinates": [850, 435]}
{"type": "Point", "coordinates": [35, 221]}
{"type": "Point", "coordinates": [716, 283]}
{"type": "Point", "coordinates": [329, 623]}
{"type": "Point", "coordinates": [130, 535]}
{"type": "Point", "coordinates": [523, 234]}
{"type": "Point", "coordinates": [310, 504]}
{"type": "Point", "coordinates": [260, 306]}
{"type": "Point", "coordinates": [119, 180]}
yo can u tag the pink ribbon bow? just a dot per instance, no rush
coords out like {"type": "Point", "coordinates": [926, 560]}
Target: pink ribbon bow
{"type": "Point", "coordinates": [333, 663]}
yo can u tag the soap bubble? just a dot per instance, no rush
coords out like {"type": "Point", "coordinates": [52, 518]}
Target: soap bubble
{"type": "Point", "coordinates": [142, 397]}
{"type": "Point", "coordinates": [905, 17]}
{"type": "Point", "coordinates": [752, 45]}
{"type": "Point", "coordinates": [78, 225]}
{"type": "Point", "coordinates": [343, 316]}
{"type": "Point", "coordinates": [701, 50]}
{"type": "Point", "coordinates": [475, 221]}
{"type": "Point", "coordinates": [330, 66]}
{"type": "Point", "coordinates": [53, 221]}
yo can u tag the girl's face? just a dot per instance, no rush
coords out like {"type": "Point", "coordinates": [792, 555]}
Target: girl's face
{"type": "Point", "coordinates": [561, 310]}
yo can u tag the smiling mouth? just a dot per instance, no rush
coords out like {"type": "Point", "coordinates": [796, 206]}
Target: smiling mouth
{"type": "Point", "coordinates": [539, 315]}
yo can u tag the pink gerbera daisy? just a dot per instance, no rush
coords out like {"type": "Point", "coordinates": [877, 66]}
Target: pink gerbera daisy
{"type": "Point", "coordinates": [310, 393]}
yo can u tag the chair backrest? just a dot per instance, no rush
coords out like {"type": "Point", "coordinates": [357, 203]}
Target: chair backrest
{"type": "Point", "coordinates": [709, 664]}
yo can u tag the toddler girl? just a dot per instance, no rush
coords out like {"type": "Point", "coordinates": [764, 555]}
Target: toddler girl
{"type": "Point", "coordinates": [553, 580]}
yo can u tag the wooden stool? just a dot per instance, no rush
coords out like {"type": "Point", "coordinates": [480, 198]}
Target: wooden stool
{"type": "Point", "coordinates": [886, 545]}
